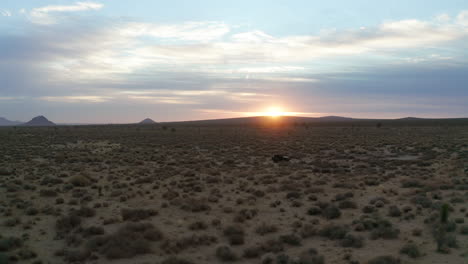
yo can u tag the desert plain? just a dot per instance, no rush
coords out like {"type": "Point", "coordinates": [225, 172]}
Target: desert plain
{"type": "Point", "coordinates": [175, 194]}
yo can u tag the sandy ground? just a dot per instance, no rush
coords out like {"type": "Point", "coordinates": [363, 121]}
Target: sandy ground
{"type": "Point", "coordinates": [129, 194]}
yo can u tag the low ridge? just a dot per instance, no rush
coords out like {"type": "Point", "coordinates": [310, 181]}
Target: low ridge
{"type": "Point", "coordinates": [147, 121]}
{"type": "Point", "coordinates": [39, 121]}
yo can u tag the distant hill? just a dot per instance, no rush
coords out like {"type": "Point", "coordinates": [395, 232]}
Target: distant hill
{"type": "Point", "coordinates": [321, 121]}
{"type": "Point", "coordinates": [147, 121]}
{"type": "Point", "coordinates": [334, 118]}
{"type": "Point", "coordinates": [6, 122]}
{"type": "Point", "coordinates": [39, 121]}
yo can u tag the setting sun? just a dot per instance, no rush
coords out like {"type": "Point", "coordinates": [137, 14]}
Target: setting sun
{"type": "Point", "coordinates": [274, 112]}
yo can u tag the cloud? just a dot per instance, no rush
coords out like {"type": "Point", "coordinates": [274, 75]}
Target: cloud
{"type": "Point", "coordinates": [212, 65]}
{"type": "Point", "coordinates": [462, 18]}
{"type": "Point", "coordinates": [43, 15]}
{"type": "Point", "coordinates": [76, 99]}
{"type": "Point", "coordinates": [189, 31]}
{"type": "Point", "coordinates": [4, 12]}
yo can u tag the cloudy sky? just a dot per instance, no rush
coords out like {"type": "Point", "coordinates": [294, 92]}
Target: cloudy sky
{"type": "Point", "coordinates": [121, 61]}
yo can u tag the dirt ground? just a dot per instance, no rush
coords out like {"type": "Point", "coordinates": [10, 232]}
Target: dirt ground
{"type": "Point", "coordinates": [154, 194]}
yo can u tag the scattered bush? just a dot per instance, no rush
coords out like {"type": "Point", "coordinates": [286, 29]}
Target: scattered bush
{"type": "Point", "coordinates": [224, 253]}
{"type": "Point", "coordinates": [9, 243]}
{"type": "Point", "coordinates": [352, 241]}
{"type": "Point", "coordinates": [130, 240]}
{"type": "Point", "coordinates": [252, 252]}
{"type": "Point", "coordinates": [176, 260]}
{"type": "Point", "coordinates": [137, 214]}
{"type": "Point", "coordinates": [394, 211]}
{"type": "Point", "coordinates": [80, 181]}
{"type": "Point", "coordinates": [198, 225]}
{"type": "Point", "coordinates": [263, 229]}
{"type": "Point", "coordinates": [235, 235]}
{"type": "Point", "coordinates": [384, 260]}
{"type": "Point", "coordinates": [291, 239]}
{"type": "Point", "coordinates": [334, 231]}
{"type": "Point", "coordinates": [411, 250]}
{"type": "Point", "coordinates": [311, 256]}
{"type": "Point", "coordinates": [68, 223]}
{"type": "Point", "coordinates": [331, 212]}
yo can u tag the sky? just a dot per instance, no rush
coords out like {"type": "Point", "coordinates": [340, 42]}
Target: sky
{"type": "Point", "coordinates": [116, 61]}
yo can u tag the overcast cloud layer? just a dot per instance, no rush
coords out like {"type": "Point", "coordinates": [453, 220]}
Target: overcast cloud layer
{"type": "Point", "coordinates": [73, 64]}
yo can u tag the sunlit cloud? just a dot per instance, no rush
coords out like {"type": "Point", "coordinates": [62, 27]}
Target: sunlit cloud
{"type": "Point", "coordinates": [44, 15]}
{"type": "Point", "coordinates": [189, 31]}
{"type": "Point", "coordinates": [76, 99]}
{"type": "Point", "coordinates": [213, 65]}
{"type": "Point", "coordinates": [164, 99]}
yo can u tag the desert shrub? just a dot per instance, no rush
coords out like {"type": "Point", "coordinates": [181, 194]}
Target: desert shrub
{"type": "Point", "coordinates": [343, 196]}
{"type": "Point", "coordinates": [352, 241]}
{"type": "Point", "coordinates": [368, 209]}
{"type": "Point", "coordinates": [195, 205]}
{"type": "Point", "coordinates": [10, 222]}
{"type": "Point", "coordinates": [174, 246]}
{"type": "Point", "coordinates": [334, 231]}
{"type": "Point", "coordinates": [264, 228]}
{"type": "Point", "coordinates": [293, 195]}
{"type": "Point", "coordinates": [68, 223]}
{"type": "Point", "coordinates": [9, 243]}
{"type": "Point", "coordinates": [137, 214]}
{"type": "Point", "coordinates": [85, 212]}
{"type": "Point", "coordinates": [272, 245]}
{"type": "Point", "coordinates": [198, 225]}
{"type": "Point", "coordinates": [130, 240]}
{"type": "Point", "coordinates": [422, 200]}
{"type": "Point", "coordinates": [394, 211]}
{"type": "Point", "coordinates": [176, 260]}
{"type": "Point", "coordinates": [384, 260]}
{"type": "Point", "coordinates": [235, 235]}
{"type": "Point", "coordinates": [26, 253]}
{"type": "Point", "coordinates": [308, 230]}
{"type": "Point", "coordinates": [347, 204]}
{"type": "Point", "coordinates": [252, 252]}
{"type": "Point", "coordinates": [384, 230]}
{"type": "Point", "coordinates": [310, 256]}
{"type": "Point", "coordinates": [47, 193]}
{"type": "Point", "coordinates": [32, 211]}
{"type": "Point", "coordinates": [450, 226]}
{"type": "Point", "coordinates": [411, 183]}
{"type": "Point", "coordinates": [93, 231]}
{"type": "Point", "coordinates": [331, 212]}
{"type": "Point", "coordinates": [411, 250]}
{"type": "Point", "coordinates": [225, 253]}
{"type": "Point", "coordinates": [464, 230]}
{"type": "Point", "coordinates": [451, 241]}
{"type": "Point", "coordinates": [245, 214]}
{"type": "Point", "coordinates": [77, 255]}
{"type": "Point", "coordinates": [314, 210]}
{"type": "Point", "coordinates": [80, 181]}
{"type": "Point", "coordinates": [291, 239]}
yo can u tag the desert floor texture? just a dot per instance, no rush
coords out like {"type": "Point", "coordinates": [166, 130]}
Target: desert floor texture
{"type": "Point", "coordinates": [174, 195]}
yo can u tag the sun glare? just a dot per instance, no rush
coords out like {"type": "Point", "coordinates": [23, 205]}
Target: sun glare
{"type": "Point", "coordinates": [274, 112]}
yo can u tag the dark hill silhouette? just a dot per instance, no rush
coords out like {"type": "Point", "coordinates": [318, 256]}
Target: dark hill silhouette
{"type": "Point", "coordinates": [320, 121]}
{"type": "Point", "coordinates": [6, 122]}
{"type": "Point", "coordinates": [39, 121]}
{"type": "Point", "coordinates": [147, 121]}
